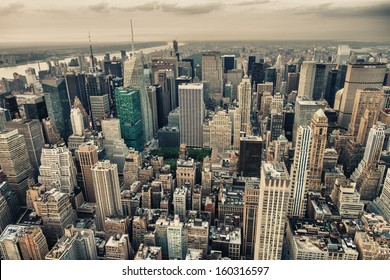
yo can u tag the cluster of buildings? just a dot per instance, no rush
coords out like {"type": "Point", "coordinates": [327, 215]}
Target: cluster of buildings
{"type": "Point", "coordinates": [298, 167]}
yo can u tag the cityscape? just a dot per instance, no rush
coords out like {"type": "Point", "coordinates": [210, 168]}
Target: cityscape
{"type": "Point", "coordinates": [203, 149]}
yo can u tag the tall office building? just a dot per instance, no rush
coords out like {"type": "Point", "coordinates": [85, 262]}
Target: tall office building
{"type": "Point", "coordinates": [292, 82]}
{"type": "Point", "coordinates": [383, 201]}
{"type": "Point", "coordinates": [228, 62]}
{"type": "Point", "coordinates": [20, 242]}
{"type": "Point", "coordinates": [116, 149]}
{"type": "Point", "coordinates": [75, 244]}
{"type": "Point", "coordinates": [88, 157]}
{"type": "Point", "coordinates": [251, 204]}
{"type": "Point", "coordinates": [235, 78]}
{"type": "Point", "coordinates": [319, 128]}
{"type": "Point", "coordinates": [304, 111]}
{"type": "Point", "coordinates": [218, 131]}
{"type": "Point", "coordinates": [367, 174]}
{"type": "Point", "coordinates": [212, 72]}
{"type": "Point", "coordinates": [275, 192]}
{"type": "Point", "coordinates": [180, 202]}
{"type": "Point", "coordinates": [51, 133]}
{"type": "Point", "coordinates": [58, 105]}
{"type": "Point", "coordinates": [15, 163]}
{"type": "Point", "coordinates": [300, 172]}
{"type": "Point", "coordinates": [151, 90]}
{"type": "Point", "coordinates": [306, 79]}
{"type": "Point", "coordinates": [5, 116]}
{"type": "Point", "coordinates": [128, 106]}
{"type": "Point", "coordinates": [56, 213]}
{"type": "Point", "coordinates": [250, 156]}
{"type": "Point", "coordinates": [33, 136]}
{"type": "Point", "coordinates": [320, 79]}
{"type": "Point", "coordinates": [258, 74]}
{"type": "Point", "coordinates": [75, 87]}
{"type": "Point", "coordinates": [176, 240]}
{"type": "Point", "coordinates": [107, 191]}
{"type": "Point", "coordinates": [57, 169]}
{"type": "Point", "coordinates": [244, 99]}
{"type": "Point", "coordinates": [77, 121]}
{"type": "Point", "coordinates": [191, 110]}
{"type": "Point", "coordinates": [100, 109]}
{"type": "Point", "coordinates": [343, 54]}
{"type": "Point", "coordinates": [365, 113]}
{"type": "Point", "coordinates": [359, 76]}
{"type": "Point", "coordinates": [34, 107]}
{"type": "Point", "coordinates": [134, 77]}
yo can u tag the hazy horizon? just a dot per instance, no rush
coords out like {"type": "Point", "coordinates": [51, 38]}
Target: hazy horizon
{"type": "Point", "coordinates": [109, 21]}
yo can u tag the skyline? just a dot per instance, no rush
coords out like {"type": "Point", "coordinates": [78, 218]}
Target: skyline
{"type": "Point", "coordinates": [109, 21]}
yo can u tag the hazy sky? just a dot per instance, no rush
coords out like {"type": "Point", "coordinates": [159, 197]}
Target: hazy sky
{"type": "Point", "coordinates": [70, 20]}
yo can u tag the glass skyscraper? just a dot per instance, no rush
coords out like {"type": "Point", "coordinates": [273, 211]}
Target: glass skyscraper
{"type": "Point", "coordinates": [128, 107]}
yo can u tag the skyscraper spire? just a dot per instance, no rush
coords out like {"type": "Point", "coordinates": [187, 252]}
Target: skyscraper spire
{"type": "Point", "coordinates": [90, 47]}
{"type": "Point", "coordinates": [132, 38]}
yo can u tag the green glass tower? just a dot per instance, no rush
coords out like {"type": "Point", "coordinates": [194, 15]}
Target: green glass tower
{"type": "Point", "coordinates": [128, 107]}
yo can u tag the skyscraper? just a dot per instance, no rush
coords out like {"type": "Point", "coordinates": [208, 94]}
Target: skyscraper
{"type": "Point", "coordinates": [19, 242]}
{"type": "Point", "coordinates": [300, 171]}
{"type": "Point", "coordinates": [107, 191]}
{"type": "Point", "coordinates": [58, 105]}
{"type": "Point", "coordinates": [15, 163]}
{"type": "Point", "coordinates": [319, 128]}
{"type": "Point", "coordinates": [212, 72]}
{"type": "Point", "coordinates": [57, 169]}
{"type": "Point", "coordinates": [88, 157]}
{"type": "Point", "coordinates": [77, 121]}
{"type": "Point", "coordinates": [134, 78]}
{"type": "Point", "coordinates": [306, 79]}
{"type": "Point", "coordinates": [218, 131]}
{"type": "Point", "coordinates": [57, 213]}
{"type": "Point", "coordinates": [179, 202]}
{"type": "Point", "coordinates": [176, 240]}
{"type": "Point", "coordinates": [33, 136]}
{"type": "Point", "coordinates": [191, 110]}
{"type": "Point", "coordinates": [251, 204]}
{"type": "Point", "coordinates": [250, 156]}
{"type": "Point", "coordinates": [275, 192]}
{"type": "Point", "coordinates": [359, 76]}
{"type": "Point", "coordinates": [365, 113]}
{"type": "Point", "coordinates": [244, 98]}
{"type": "Point", "coordinates": [128, 106]}
{"type": "Point", "coordinates": [343, 54]}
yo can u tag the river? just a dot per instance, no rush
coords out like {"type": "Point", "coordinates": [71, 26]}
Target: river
{"type": "Point", "coordinates": [7, 72]}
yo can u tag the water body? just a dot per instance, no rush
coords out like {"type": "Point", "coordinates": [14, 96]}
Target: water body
{"type": "Point", "coordinates": [7, 72]}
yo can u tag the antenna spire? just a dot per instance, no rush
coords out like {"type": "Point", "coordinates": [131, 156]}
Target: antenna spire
{"type": "Point", "coordinates": [90, 47]}
{"type": "Point", "coordinates": [132, 37]}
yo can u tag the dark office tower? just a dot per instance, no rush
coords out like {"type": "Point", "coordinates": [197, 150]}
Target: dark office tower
{"type": "Point", "coordinates": [12, 105]}
{"type": "Point", "coordinates": [331, 87]}
{"type": "Point", "coordinates": [123, 55]}
{"type": "Point", "coordinates": [289, 68]}
{"type": "Point", "coordinates": [228, 62]}
{"type": "Point", "coordinates": [341, 74]}
{"type": "Point", "coordinates": [319, 81]}
{"type": "Point", "coordinates": [258, 75]}
{"type": "Point", "coordinates": [288, 123]}
{"type": "Point", "coordinates": [35, 108]}
{"type": "Point", "coordinates": [250, 156]}
{"type": "Point", "coordinates": [57, 102]}
{"type": "Point", "coordinates": [97, 91]}
{"type": "Point", "coordinates": [160, 106]}
{"type": "Point", "coordinates": [176, 49]}
{"type": "Point", "coordinates": [292, 82]}
{"type": "Point", "coordinates": [113, 83]}
{"type": "Point", "coordinates": [10, 198]}
{"type": "Point", "coordinates": [151, 91]}
{"type": "Point", "coordinates": [33, 137]}
{"type": "Point", "coordinates": [251, 60]}
{"type": "Point", "coordinates": [164, 79]}
{"type": "Point", "coordinates": [270, 75]}
{"type": "Point", "coordinates": [75, 85]}
{"type": "Point", "coordinates": [191, 62]}
{"type": "Point", "coordinates": [113, 68]}
{"type": "Point", "coordinates": [128, 107]}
